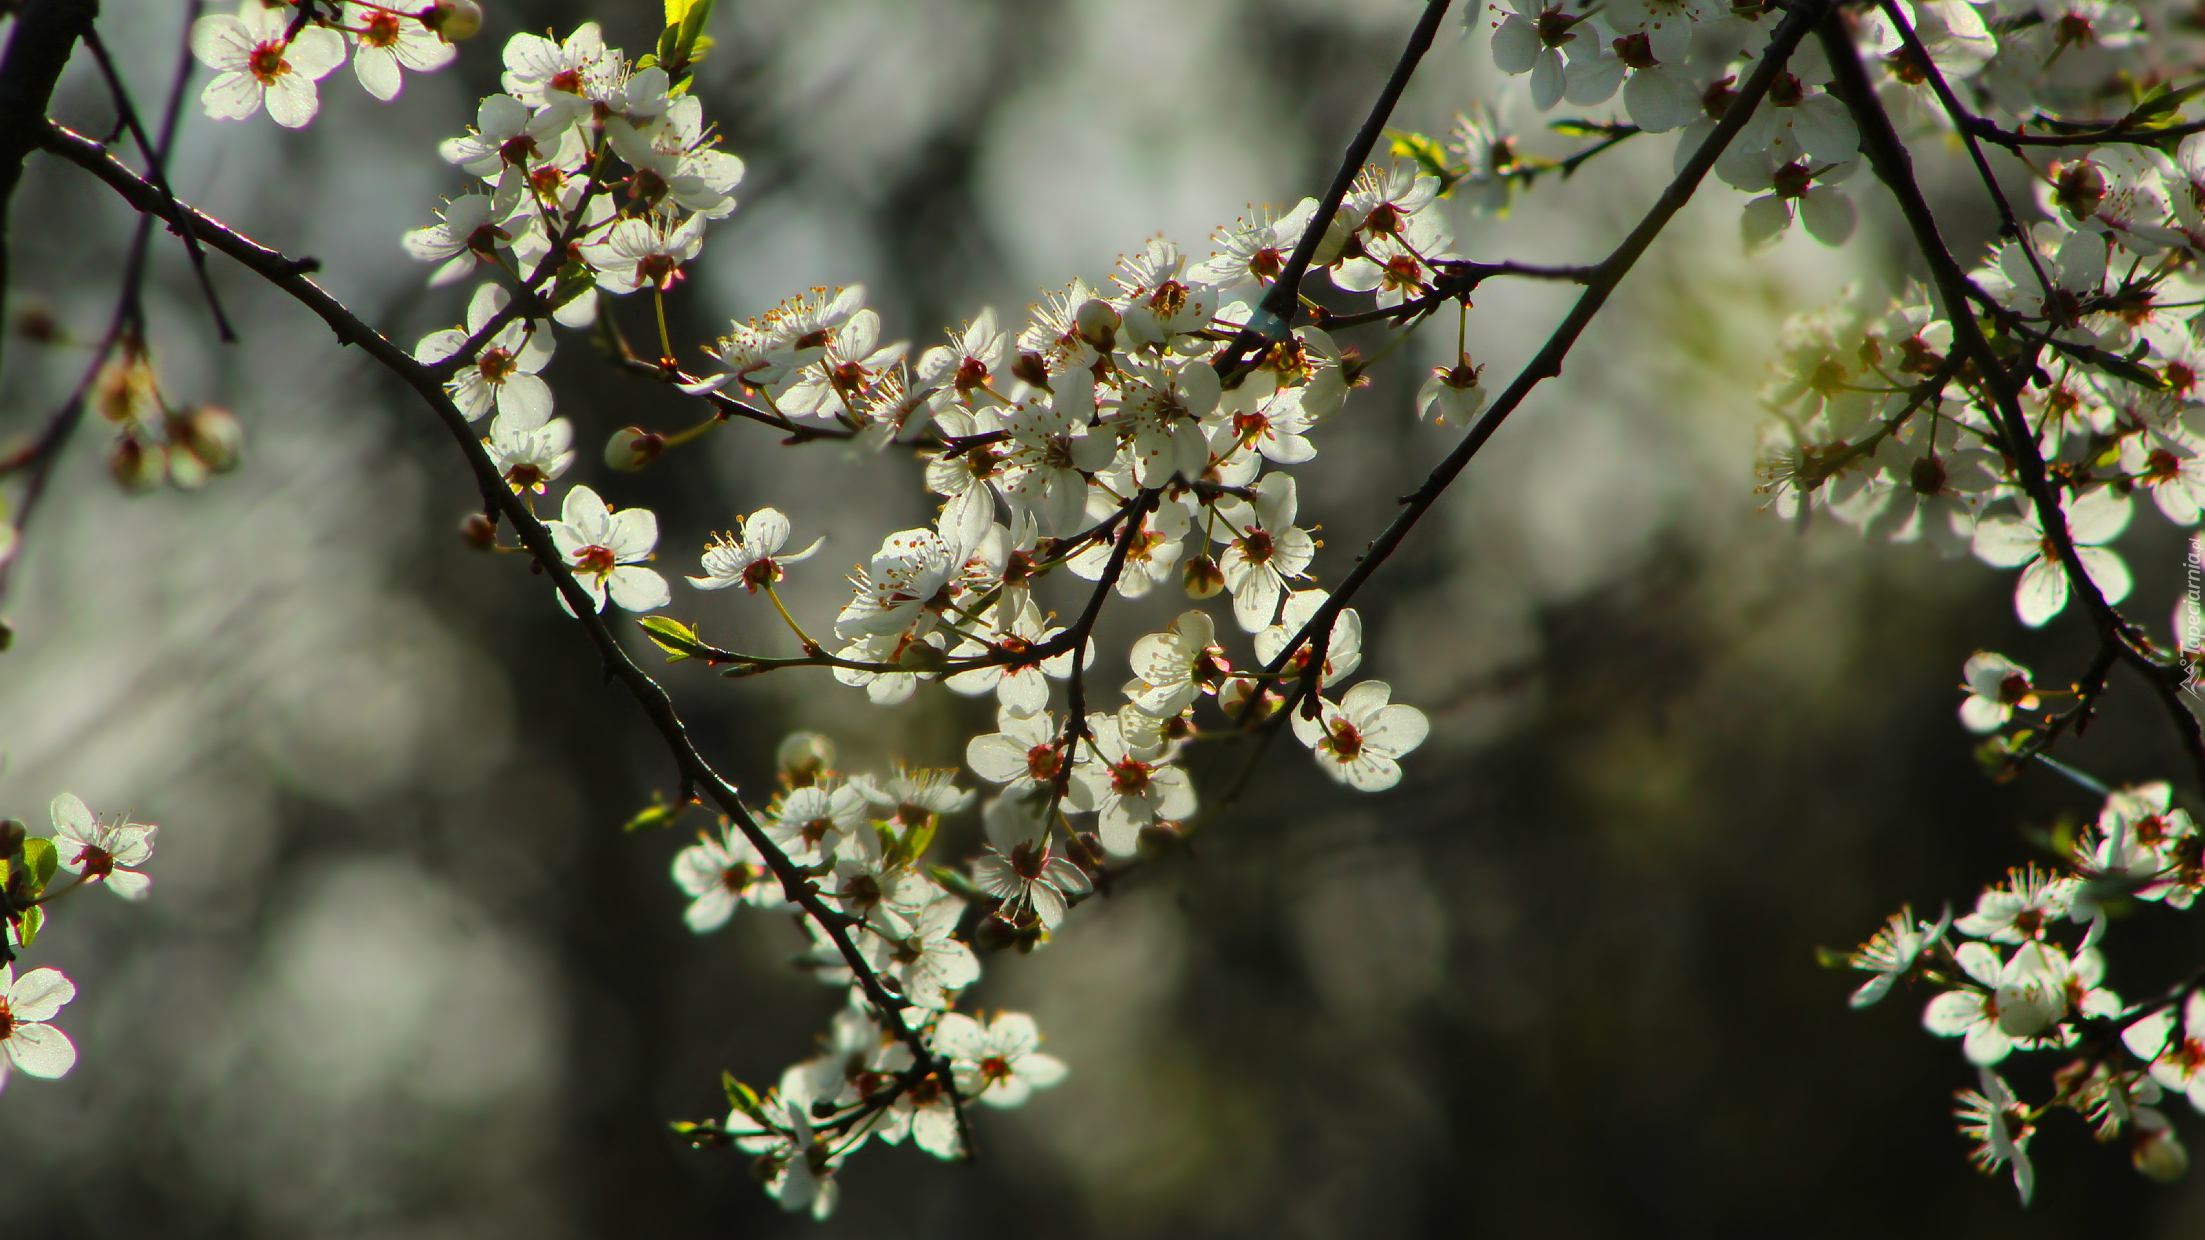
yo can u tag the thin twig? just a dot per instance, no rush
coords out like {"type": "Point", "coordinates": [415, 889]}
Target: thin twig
{"type": "Point", "coordinates": [1548, 361]}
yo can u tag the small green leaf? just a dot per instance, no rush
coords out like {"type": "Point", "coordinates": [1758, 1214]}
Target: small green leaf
{"type": "Point", "coordinates": [1429, 153]}
{"type": "Point", "coordinates": [656, 815]}
{"type": "Point", "coordinates": [955, 882]}
{"type": "Point", "coordinates": [1581, 127]}
{"type": "Point", "coordinates": [745, 1099]}
{"type": "Point", "coordinates": [2166, 100]}
{"type": "Point", "coordinates": [914, 843]}
{"type": "Point", "coordinates": [678, 640]}
{"type": "Point", "coordinates": [1833, 960]}
{"type": "Point", "coordinates": [2113, 364]}
{"type": "Point", "coordinates": [40, 858]}
{"type": "Point", "coordinates": [26, 930]}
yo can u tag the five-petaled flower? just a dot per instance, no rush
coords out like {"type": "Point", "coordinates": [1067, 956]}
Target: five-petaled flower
{"type": "Point", "coordinates": [102, 853]}
{"type": "Point", "coordinates": [606, 548]}
{"type": "Point", "coordinates": [254, 62]}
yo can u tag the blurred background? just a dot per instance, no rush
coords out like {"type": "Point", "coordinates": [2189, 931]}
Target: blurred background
{"type": "Point", "coordinates": [402, 976]}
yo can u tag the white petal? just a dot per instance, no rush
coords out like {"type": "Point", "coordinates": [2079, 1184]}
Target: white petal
{"type": "Point", "coordinates": [1828, 214]}
{"type": "Point", "coordinates": [638, 589]}
{"type": "Point", "coordinates": [41, 1050]}
{"type": "Point", "coordinates": [39, 994]}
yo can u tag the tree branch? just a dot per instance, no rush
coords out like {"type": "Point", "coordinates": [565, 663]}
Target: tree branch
{"type": "Point", "coordinates": [1895, 167]}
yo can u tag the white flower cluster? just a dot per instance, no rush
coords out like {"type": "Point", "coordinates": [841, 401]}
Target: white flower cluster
{"type": "Point", "coordinates": [110, 854]}
{"type": "Point", "coordinates": [1675, 63]}
{"type": "Point", "coordinates": [272, 54]}
{"type": "Point", "coordinates": [2011, 986]}
{"type": "Point", "coordinates": [864, 840]}
{"type": "Point", "coordinates": [1879, 425]}
{"type": "Point", "coordinates": [1098, 438]}
{"type": "Point", "coordinates": [596, 174]}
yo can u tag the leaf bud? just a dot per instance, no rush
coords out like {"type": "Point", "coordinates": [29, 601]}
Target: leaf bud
{"type": "Point", "coordinates": [631, 448]}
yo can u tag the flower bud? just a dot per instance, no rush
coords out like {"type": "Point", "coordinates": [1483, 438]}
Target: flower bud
{"type": "Point", "coordinates": [452, 20]}
{"type": "Point", "coordinates": [1202, 577]}
{"type": "Point", "coordinates": [210, 433]}
{"type": "Point", "coordinates": [137, 465]}
{"type": "Point", "coordinates": [922, 657]}
{"type": "Point", "coordinates": [37, 324]}
{"type": "Point", "coordinates": [127, 390]}
{"type": "Point", "coordinates": [12, 834]}
{"type": "Point", "coordinates": [631, 448]}
{"type": "Point", "coordinates": [1086, 851]}
{"type": "Point", "coordinates": [804, 756]}
{"type": "Point", "coordinates": [994, 934]}
{"type": "Point", "coordinates": [1097, 322]}
{"type": "Point", "coordinates": [1031, 369]}
{"type": "Point", "coordinates": [1158, 839]}
{"type": "Point", "coordinates": [478, 531]}
{"type": "Point", "coordinates": [2158, 1152]}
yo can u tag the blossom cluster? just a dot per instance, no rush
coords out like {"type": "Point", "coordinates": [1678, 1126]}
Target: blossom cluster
{"type": "Point", "coordinates": [272, 54]}
{"type": "Point", "coordinates": [1104, 437]}
{"type": "Point", "coordinates": [1142, 435]}
{"type": "Point", "coordinates": [109, 853]}
{"type": "Point", "coordinates": [2025, 972]}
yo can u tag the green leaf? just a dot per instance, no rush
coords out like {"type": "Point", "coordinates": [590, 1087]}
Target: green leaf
{"type": "Point", "coordinates": [2113, 364]}
{"type": "Point", "coordinates": [40, 858]}
{"type": "Point", "coordinates": [914, 843]}
{"type": "Point", "coordinates": [955, 882]}
{"type": "Point", "coordinates": [655, 815]}
{"type": "Point", "coordinates": [26, 930]}
{"type": "Point", "coordinates": [1833, 960]}
{"type": "Point", "coordinates": [745, 1099]}
{"type": "Point", "coordinates": [1429, 153]}
{"type": "Point", "coordinates": [1581, 127]}
{"type": "Point", "coordinates": [678, 640]}
{"type": "Point", "coordinates": [2166, 100]}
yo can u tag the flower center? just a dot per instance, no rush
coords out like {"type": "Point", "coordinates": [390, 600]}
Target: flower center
{"type": "Point", "coordinates": [381, 29]}
{"type": "Point", "coordinates": [1345, 740]}
{"type": "Point", "coordinates": [568, 80]}
{"type": "Point", "coordinates": [1636, 51]}
{"type": "Point", "coordinates": [599, 560]}
{"type": "Point", "coordinates": [266, 62]}
{"type": "Point", "coordinates": [1168, 300]}
{"type": "Point", "coordinates": [96, 862]}
{"type": "Point", "coordinates": [1257, 546]}
{"type": "Point", "coordinates": [995, 1068]}
{"type": "Point", "coordinates": [496, 365]}
{"type": "Point", "coordinates": [738, 877]}
{"type": "Point", "coordinates": [1129, 778]}
{"type": "Point", "coordinates": [1042, 763]}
